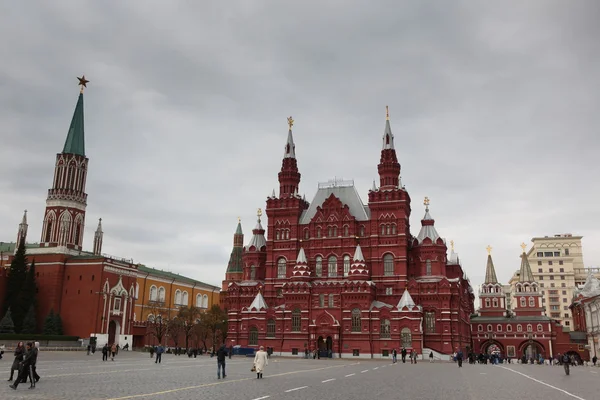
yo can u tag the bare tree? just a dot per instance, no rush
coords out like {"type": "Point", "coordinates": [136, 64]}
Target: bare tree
{"type": "Point", "coordinates": [175, 328]}
{"type": "Point", "coordinates": [189, 317]}
{"type": "Point", "coordinates": [158, 325]}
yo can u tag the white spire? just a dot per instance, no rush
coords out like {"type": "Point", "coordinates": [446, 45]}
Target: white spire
{"type": "Point", "coordinates": [388, 138]}
{"type": "Point", "coordinates": [98, 236]}
{"type": "Point", "coordinates": [406, 301]}
{"type": "Point", "coordinates": [258, 303]}
{"type": "Point", "coordinates": [290, 147]}
{"type": "Point", "coordinates": [273, 194]}
{"type": "Point", "coordinates": [374, 188]}
{"type": "Point", "coordinates": [301, 257]}
{"type": "Point", "coordinates": [358, 255]}
{"type": "Point", "coordinates": [22, 234]}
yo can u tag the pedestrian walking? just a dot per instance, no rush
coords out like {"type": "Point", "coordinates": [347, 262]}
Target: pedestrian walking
{"type": "Point", "coordinates": [159, 351]}
{"type": "Point", "coordinates": [594, 360]}
{"type": "Point", "coordinates": [105, 352]}
{"type": "Point", "coordinates": [113, 351]}
{"type": "Point", "coordinates": [25, 367]}
{"type": "Point", "coordinates": [230, 351]}
{"type": "Point", "coordinates": [260, 362]}
{"type": "Point", "coordinates": [221, 353]}
{"type": "Point", "coordinates": [394, 356]}
{"type": "Point", "coordinates": [19, 353]}
{"type": "Point", "coordinates": [403, 354]}
{"type": "Point", "coordinates": [431, 356]}
{"type": "Point", "coordinates": [459, 357]}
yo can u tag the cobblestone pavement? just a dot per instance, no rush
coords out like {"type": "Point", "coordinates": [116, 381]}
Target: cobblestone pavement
{"type": "Point", "coordinates": [135, 376]}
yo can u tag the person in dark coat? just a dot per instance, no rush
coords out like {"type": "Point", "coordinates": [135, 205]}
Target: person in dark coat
{"type": "Point", "coordinates": [19, 353]}
{"type": "Point", "coordinates": [28, 361]}
{"type": "Point", "coordinates": [35, 348]}
{"type": "Point", "coordinates": [403, 355]}
{"type": "Point", "coordinates": [221, 354]}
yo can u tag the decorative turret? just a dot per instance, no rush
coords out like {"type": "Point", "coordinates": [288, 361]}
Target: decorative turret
{"type": "Point", "coordinates": [255, 253]}
{"type": "Point", "coordinates": [258, 241]}
{"type": "Point", "coordinates": [358, 268]}
{"type": "Point", "coordinates": [64, 219]}
{"type": "Point", "coordinates": [22, 233]}
{"type": "Point", "coordinates": [389, 167]}
{"type": "Point", "coordinates": [430, 248]}
{"type": "Point", "coordinates": [98, 236]}
{"type": "Point", "coordinates": [428, 230]}
{"type": "Point", "coordinates": [289, 177]}
{"type": "Point", "coordinates": [259, 303]}
{"type": "Point", "coordinates": [491, 296]}
{"type": "Point", "coordinates": [527, 294]}
{"type": "Point", "coordinates": [301, 270]}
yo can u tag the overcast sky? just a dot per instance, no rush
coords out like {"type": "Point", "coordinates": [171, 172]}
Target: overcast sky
{"type": "Point", "coordinates": [494, 109]}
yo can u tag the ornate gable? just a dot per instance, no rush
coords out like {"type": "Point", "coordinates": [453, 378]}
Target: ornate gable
{"type": "Point", "coordinates": [332, 210]}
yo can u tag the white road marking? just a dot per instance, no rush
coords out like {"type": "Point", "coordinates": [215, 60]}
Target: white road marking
{"type": "Point", "coordinates": [366, 370]}
{"type": "Point", "coordinates": [483, 373]}
{"type": "Point", "coordinates": [261, 398]}
{"type": "Point", "coordinates": [593, 372]}
{"type": "Point", "coordinates": [298, 388]}
{"type": "Point", "coordinates": [328, 380]}
{"type": "Point", "coordinates": [544, 383]}
{"type": "Point", "coordinates": [350, 375]}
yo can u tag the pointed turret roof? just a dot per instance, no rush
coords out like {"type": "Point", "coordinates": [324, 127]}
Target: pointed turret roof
{"type": "Point", "coordinates": [258, 303]}
{"type": "Point", "coordinates": [374, 188]}
{"type": "Point", "coordinates": [427, 226]}
{"type": "Point", "coordinates": [24, 220]}
{"type": "Point", "coordinates": [358, 254]}
{"type": "Point", "coordinates": [258, 235]}
{"type": "Point", "coordinates": [290, 147]}
{"type": "Point", "coordinates": [525, 273]}
{"type": "Point", "coordinates": [238, 230]}
{"type": "Point", "coordinates": [75, 142]}
{"type": "Point", "coordinates": [301, 269]}
{"type": "Point", "coordinates": [406, 301]}
{"type": "Point", "coordinates": [388, 138]}
{"type": "Point", "coordinates": [490, 271]}
{"type": "Point", "coordinates": [301, 257]}
{"type": "Point", "coordinates": [99, 228]}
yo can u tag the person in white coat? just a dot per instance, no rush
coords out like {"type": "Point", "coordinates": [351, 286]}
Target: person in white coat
{"type": "Point", "coordinates": [260, 362]}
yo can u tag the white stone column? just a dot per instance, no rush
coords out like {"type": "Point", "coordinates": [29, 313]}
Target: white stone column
{"type": "Point", "coordinates": [125, 316]}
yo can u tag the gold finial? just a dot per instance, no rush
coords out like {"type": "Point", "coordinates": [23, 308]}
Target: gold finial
{"type": "Point", "coordinates": [387, 113]}
{"type": "Point", "coordinates": [426, 201]}
{"type": "Point", "coordinates": [489, 249]}
{"type": "Point", "coordinates": [452, 245]}
{"type": "Point", "coordinates": [239, 220]}
{"type": "Point", "coordinates": [290, 122]}
{"type": "Point", "coordinates": [259, 213]}
{"type": "Point", "coordinates": [82, 82]}
{"type": "Point", "coordinates": [523, 246]}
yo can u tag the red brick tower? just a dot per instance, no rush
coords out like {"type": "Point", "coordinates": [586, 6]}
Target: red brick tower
{"type": "Point", "coordinates": [491, 295]}
{"type": "Point", "coordinates": [255, 253]}
{"type": "Point", "coordinates": [429, 248]}
{"type": "Point", "coordinates": [64, 218]}
{"type": "Point", "coordinates": [527, 292]}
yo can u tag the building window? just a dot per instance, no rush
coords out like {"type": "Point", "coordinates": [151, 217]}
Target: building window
{"type": "Point", "coordinates": [253, 338]}
{"type": "Point", "coordinates": [306, 234]}
{"type": "Point", "coordinates": [296, 320]}
{"type": "Point", "coordinates": [382, 230]}
{"type": "Point", "coordinates": [561, 263]}
{"type": "Point", "coordinates": [117, 305]}
{"type": "Point", "coordinates": [271, 328]}
{"type": "Point", "coordinates": [531, 302]}
{"type": "Point", "coordinates": [406, 337]}
{"type": "Point", "coordinates": [346, 265]}
{"type": "Point", "coordinates": [550, 263]}
{"type": "Point", "coordinates": [519, 328]}
{"type": "Point", "coordinates": [540, 270]}
{"type": "Point", "coordinates": [495, 301]}
{"type": "Point", "coordinates": [540, 328]}
{"type": "Point", "coordinates": [153, 293]}
{"type": "Point", "coordinates": [487, 303]}
{"type": "Point", "coordinates": [489, 328]}
{"type": "Point", "coordinates": [178, 296]}
{"type": "Point", "coordinates": [384, 329]}
{"type": "Point", "coordinates": [540, 254]}
{"type": "Point", "coordinates": [393, 229]}
{"type": "Point", "coordinates": [498, 328]}
{"type": "Point", "coordinates": [321, 300]}
{"type": "Point", "coordinates": [150, 318]}
{"type": "Point", "coordinates": [277, 234]}
{"type": "Point", "coordinates": [319, 266]}
{"type": "Point", "coordinates": [335, 231]}
{"type": "Point", "coordinates": [523, 302]}
{"type": "Point", "coordinates": [540, 263]}
{"type": "Point", "coordinates": [428, 267]}
{"type": "Point", "coordinates": [361, 231]}
{"type": "Point", "coordinates": [480, 328]}
{"type": "Point", "coordinates": [508, 328]}
{"type": "Point", "coordinates": [566, 252]}
{"type": "Point", "coordinates": [529, 328]}
{"type": "Point", "coordinates": [430, 322]}
{"type": "Point", "coordinates": [388, 265]}
{"type": "Point", "coordinates": [205, 301]}
{"type": "Point", "coordinates": [346, 230]}
{"type": "Point", "coordinates": [356, 322]}
{"type": "Point", "coordinates": [184, 298]}
{"type": "Point", "coordinates": [161, 294]}
{"type": "Point", "coordinates": [330, 301]}
{"type": "Point", "coordinates": [319, 232]}
{"type": "Point", "coordinates": [199, 300]}
{"type": "Point", "coordinates": [252, 272]}
{"type": "Point", "coordinates": [562, 277]}
{"type": "Point", "coordinates": [281, 268]}
{"type": "Point", "coordinates": [332, 266]}
{"type": "Point", "coordinates": [389, 291]}
{"type": "Point", "coordinates": [567, 323]}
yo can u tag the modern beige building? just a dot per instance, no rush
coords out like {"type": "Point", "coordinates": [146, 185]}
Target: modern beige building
{"type": "Point", "coordinates": [557, 264]}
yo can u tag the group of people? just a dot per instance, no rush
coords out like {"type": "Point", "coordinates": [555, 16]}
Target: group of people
{"type": "Point", "coordinates": [261, 360]}
{"type": "Point", "coordinates": [403, 353]}
{"type": "Point", "coordinates": [25, 365]}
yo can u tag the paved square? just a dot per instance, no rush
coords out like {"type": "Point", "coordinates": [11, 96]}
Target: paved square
{"type": "Point", "coordinates": [135, 376]}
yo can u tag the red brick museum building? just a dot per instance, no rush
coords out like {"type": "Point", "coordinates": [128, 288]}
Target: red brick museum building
{"type": "Point", "coordinates": [345, 277]}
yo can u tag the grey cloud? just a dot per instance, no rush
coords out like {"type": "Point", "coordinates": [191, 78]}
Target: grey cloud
{"type": "Point", "coordinates": [494, 110]}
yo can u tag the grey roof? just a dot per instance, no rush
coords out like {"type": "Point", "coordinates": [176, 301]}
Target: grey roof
{"type": "Point", "coordinates": [525, 274]}
{"type": "Point", "coordinates": [347, 194]}
{"type": "Point", "coordinates": [301, 257]}
{"type": "Point", "coordinates": [406, 301]}
{"type": "Point", "coordinates": [258, 238]}
{"type": "Point", "coordinates": [533, 318]}
{"type": "Point", "coordinates": [290, 147]}
{"type": "Point", "coordinates": [490, 271]}
{"type": "Point", "coordinates": [258, 303]}
{"type": "Point", "coordinates": [380, 304]}
{"type": "Point", "coordinates": [387, 133]}
{"type": "Point", "coordinates": [427, 230]}
{"type": "Point", "coordinates": [358, 254]}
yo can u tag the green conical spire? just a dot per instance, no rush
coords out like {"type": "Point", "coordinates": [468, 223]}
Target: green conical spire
{"type": "Point", "coordinates": [75, 143]}
{"type": "Point", "coordinates": [238, 231]}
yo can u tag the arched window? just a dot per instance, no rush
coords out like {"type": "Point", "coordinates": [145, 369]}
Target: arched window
{"type": "Point", "coordinates": [205, 301]}
{"type": "Point", "coordinates": [199, 300]}
{"type": "Point", "coordinates": [406, 338]}
{"type": "Point", "coordinates": [382, 229]}
{"type": "Point", "coordinates": [271, 328]}
{"type": "Point", "coordinates": [296, 320]}
{"type": "Point", "coordinates": [178, 296]}
{"type": "Point", "coordinates": [346, 233]}
{"type": "Point", "coordinates": [361, 231]}
{"type": "Point", "coordinates": [508, 328]}
{"type": "Point", "coordinates": [489, 328]}
{"type": "Point", "coordinates": [253, 337]}
{"type": "Point", "coordinates": [321, 300]}
{"type": "Point", "coordinates": [384, 329]}
{"type": "Point", "coordinates": [277, 234]}
{"type": "Point", "coordinates": [306, 234]}
{"type": "Point", "coordinates": [498, 328]}
{"type": "Point", "coordinates": [487, 303]}
{"type": "Point", "coordinates": [331, 300]}
{"type": "Point", "coordinates": [252, 272]}
{"type": "Point", "coordinates": [388, 230]}
{"type": "Point", "coordinates": [529, 328]}
{"type": "Point", "coordinates": [318, 232]}
{"type": "Point", "coordinates": [430, 322]}
{"type": "Point", "coordinates": [281, 270]}
{"type": "Point", "coordinates": [388, 265]}
{"type": "Point", "coordinates": [346, 265]}
{"type": "Point", "coordinates": [150, 318]}
{"type": "Point", "coordinates": [329, 231]}
{"type": "Point", "coordinates": [356, 322]}
{"type": "Point", "coordinates": [531, 302]}
{"type": "Point", "coordinates": [319, 266]}
{"type": "Point", "coordinates": [428, 267]}
{"type": "Point", "coordinates": [393, 229]}
{"type": "Point", "coordinates": [523, 302]}
{"type": "Point", "coordinates": [519, 328]}
{"type": "Point", "coordinates": [480, 328]}
{"type": "Point", "coordinates": [495, 301]}
{"type": "Point", "coordinates": [540, 328]}
{"type": "Point", "coordinates": [335, 231]}
{"type": "Point", "coordinates": [161, 294]}
{"type": "Point", "coordinates": [153, 293]}
{"type": "Point", "coordinates": [332, 266]}
{"type": "Point", "coordinates": [184, 298]}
